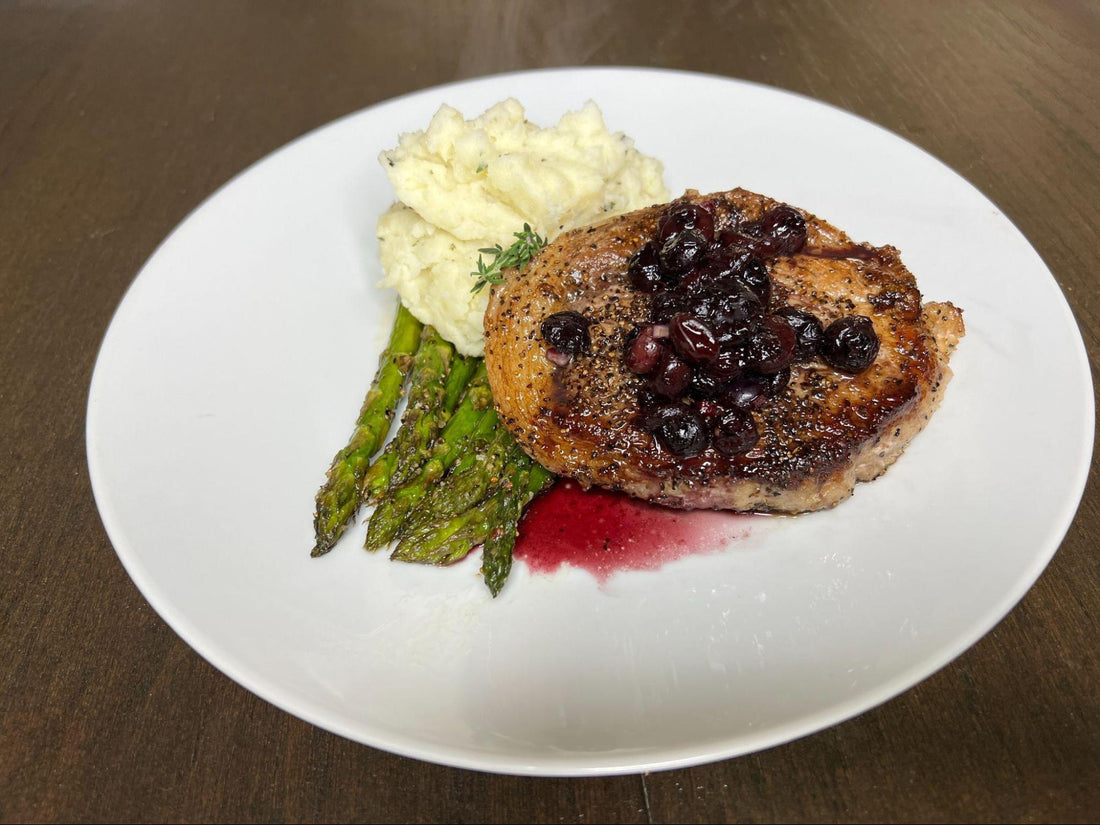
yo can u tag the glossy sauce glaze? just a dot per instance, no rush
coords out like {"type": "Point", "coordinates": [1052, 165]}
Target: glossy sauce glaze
{"type": "Point", "coordinates": [604, 532]}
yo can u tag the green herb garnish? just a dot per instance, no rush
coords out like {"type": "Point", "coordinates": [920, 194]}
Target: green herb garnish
{"type": "Point", "coordinates": [526, 246]}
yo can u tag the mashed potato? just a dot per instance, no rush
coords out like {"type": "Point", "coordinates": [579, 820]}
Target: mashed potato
{"type": "Point", "coordinates": [463, 185]}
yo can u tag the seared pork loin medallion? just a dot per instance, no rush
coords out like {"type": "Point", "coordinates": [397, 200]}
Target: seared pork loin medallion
{"type": "Point", "coordinates": [724, 351]}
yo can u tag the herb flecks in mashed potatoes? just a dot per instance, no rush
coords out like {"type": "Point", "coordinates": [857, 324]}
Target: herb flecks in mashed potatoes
{"type": "Point", "coordinates": [464, 185]}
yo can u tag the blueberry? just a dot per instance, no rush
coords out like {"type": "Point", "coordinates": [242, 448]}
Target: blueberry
{"type": "Point", "coordinates": [850, 344]}
{"type": "Point", "coordinates": [745, 391]}
{"type": "Point", "coordinates": [657, 410]}
{"type": "Point", "coordinates": [644, 268]}
{"type": "Point", "coordinates": [567, 332]}
{"type": "Point", "coordinates": [754, 277]}
{"type": "Point", "coordinates": [671, 377]}
{"type": "Point", "coordinates": [784, 228]}
{"type": "Point", "coordinates": [643, 352]}
{"type": "Point", "coordinates": [727, 365]}
{"type": "Point", "coordinates": [678, 427]}
{"type": "Point", "coordinates": [693, 339]}
{"type": "Point", "coordinates": [682, 251]}
{"type": "Point", "coordinates": [685, 215]}
{"type": "Point", "coordinates": [808, 332]}
{"type": "Point", "coordinates": [771, 348]}
{"type": "Point", "coordinates": [734, 432]}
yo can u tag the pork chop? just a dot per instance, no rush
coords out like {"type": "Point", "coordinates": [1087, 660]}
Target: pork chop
{"type": "Point", "coordinates": [818, 437]}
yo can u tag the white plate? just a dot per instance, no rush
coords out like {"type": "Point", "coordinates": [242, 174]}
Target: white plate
{"type": "Point", "coordinates": [237, 361]}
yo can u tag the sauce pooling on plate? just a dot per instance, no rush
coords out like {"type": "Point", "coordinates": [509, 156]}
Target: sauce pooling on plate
{"type": "Point", "coordinates": [605, 532]}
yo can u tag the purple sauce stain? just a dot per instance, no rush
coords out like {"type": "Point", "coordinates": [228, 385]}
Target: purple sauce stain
{"type": "Point", "coordinates": [604, 532]}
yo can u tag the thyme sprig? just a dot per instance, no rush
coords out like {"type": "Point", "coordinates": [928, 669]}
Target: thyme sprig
{"type": "Point", "coordinates": [523, 249]}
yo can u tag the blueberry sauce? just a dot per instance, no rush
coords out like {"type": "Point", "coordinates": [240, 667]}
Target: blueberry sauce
{"type": "Point", "coordinates": [604, 532]}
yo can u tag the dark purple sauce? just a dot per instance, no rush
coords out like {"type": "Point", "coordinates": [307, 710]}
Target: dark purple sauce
{"type": "Point", "coordinates": [858, 251]}
{"type": "Point", "coordinates": [604, 532]}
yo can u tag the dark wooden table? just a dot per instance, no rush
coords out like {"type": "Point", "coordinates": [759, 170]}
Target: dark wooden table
{"type": "Point", "coordinates": [118, 118]}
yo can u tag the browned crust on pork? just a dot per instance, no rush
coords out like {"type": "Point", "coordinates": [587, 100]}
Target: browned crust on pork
{"type": "Point", "coordinates": [824, 434]}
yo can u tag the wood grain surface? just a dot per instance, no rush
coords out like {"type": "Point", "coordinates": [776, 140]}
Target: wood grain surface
{"type": "Point", "coordinates": [119, 118]}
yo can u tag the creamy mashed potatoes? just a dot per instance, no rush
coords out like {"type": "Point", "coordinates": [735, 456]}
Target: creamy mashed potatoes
{"type": "Point", "coordinates": [463, 185]}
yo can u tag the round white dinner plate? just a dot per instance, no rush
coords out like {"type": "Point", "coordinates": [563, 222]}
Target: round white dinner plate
{"type": "Point", "coordinates": [236, 364]}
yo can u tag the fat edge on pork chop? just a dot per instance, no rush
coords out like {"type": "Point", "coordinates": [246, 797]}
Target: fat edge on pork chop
{"type": "Point", "coordinates": [819, 437]}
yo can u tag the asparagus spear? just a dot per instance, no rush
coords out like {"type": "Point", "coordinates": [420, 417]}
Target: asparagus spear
{"type": "Point", "coordinates": [470, 421]}
{"type": "Point", "coordinates": [496, 555]}
{"type": "Point", "coordinates": [338, 499]}
{"type": "Point", "coordinates": [463, 369]}
{"type": "Point", "coordinates": [475, 411]}
{"type": "Point", "coordinates": [421, 421]}
{"type": "Point", "coordinates": [492, 522]}
{"type": "Point", "coordinates": [477, 471]}
{"type": "Point", "coordinates": [434, 407]}
{"type": "Point", "coordinates": [449, 540]}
